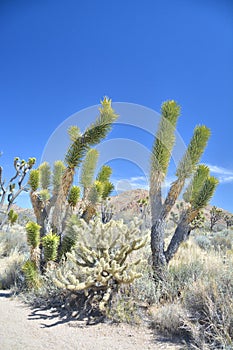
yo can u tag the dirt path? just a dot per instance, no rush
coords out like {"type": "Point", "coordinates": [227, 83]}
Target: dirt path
{"type": "Point", "coordinates": [24, 329]}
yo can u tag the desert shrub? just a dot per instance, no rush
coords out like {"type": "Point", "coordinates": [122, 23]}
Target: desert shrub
{"type": "Point", "coordinates": [223, 240]}
{"type": "Point", "coordinates": [123, 308]}
{"type": "Point", "coordinates": [202, 312]}
{"type": "Point", "coordinates": [144, 289]}
{"type": "Point", "coordinates": [210, 308]}
{"type": "Point", "coordinates": [169, 320]}
{"type": "Point", "coordinates": [10, 270]}
{"type": "Point", "coordinates": [13, 241]}
{"type": "Point", "coordinates": [204, 242]}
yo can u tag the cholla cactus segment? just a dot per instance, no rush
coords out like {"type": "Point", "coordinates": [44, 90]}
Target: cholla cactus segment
{"type": "Point", "coordinates": [99, 258]}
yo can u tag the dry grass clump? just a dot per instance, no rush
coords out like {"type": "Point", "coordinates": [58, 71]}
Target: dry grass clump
{"type": "Point", "coordinates": [13, 252]}
{"type": "Point", "coordinates": [198, 302]}
{"type": "Point", "coordinates": [10, 270]}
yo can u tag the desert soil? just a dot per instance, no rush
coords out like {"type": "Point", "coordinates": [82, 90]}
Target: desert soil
{"type": "Point", "coordinates": [22, 328]}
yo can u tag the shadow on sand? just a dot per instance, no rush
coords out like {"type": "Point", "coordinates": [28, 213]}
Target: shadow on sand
{"type": "Point", "coordinates": [71, 308]}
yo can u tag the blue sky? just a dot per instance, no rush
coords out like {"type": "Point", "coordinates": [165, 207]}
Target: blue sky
{"type": "Point", "coordinates": [59, 57]}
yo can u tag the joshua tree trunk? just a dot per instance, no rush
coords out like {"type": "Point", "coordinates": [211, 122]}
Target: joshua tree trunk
{"type": "Point", "coordinates": [181, 234]}
{"type": "Point", "coordinates": [159, 262]}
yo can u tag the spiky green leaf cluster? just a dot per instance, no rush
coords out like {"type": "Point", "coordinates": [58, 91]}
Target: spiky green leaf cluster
{"type": "Point", "coordinates": [104, 173]}
{"type": "Point", "coordinates": [44, 195]}
{"type": "Point", "coordinates": [31, 274]}
{"type": "Point", "coordinates": [104, 186]}
{"type": "Point", "coordinates": [108, 187]}
{"type": "Point", "coordinates": [74, 196]}
{"type": "Point", "coordinates": [165, 138]}
{"type": "Point", "coordinates": [45, 175]}
{"type": "Point", "coordinates": [94, 194]}
{"type": "Point", "coordinates": [88, 168]}
{"type": "Point", "coordinates": [70, 235]}
{"type": "Point", "coordinates": [12, 217]}
{"type": "Point", "coordinates": [58, 170]}
{"type": "Point", "coordinates": [200, 175]}
{"type": "Point", "coordinates": [74, 132]}
{"type": "Point", "coordinates": [93, 134]}
{"type": "Point", "coordinates": [194, 152]}
{"type": "Point", "coordinates": [34, 179]}
{"type": "Point", "coordinates": [50, 243]}
{"type": "Point", "coordinates": [205, 193]}
{"type": "Point", "coordinates": [33, 234]}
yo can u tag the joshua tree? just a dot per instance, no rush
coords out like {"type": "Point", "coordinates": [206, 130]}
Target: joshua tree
{"type": "Point", "coordinates": [215, 216]}
{"type": "Point", "coordinates": [53, 195]}
{"type": "Point", "coordinates": [196, 196]}
{"type": "Point", "coordinates": [11, 190]}
{"type": "Point", "coordinates": [51, 208]}
{"type": "Point", "coordinates": [228, 220]}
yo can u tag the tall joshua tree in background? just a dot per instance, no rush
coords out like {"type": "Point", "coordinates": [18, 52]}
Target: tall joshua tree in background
{"type": "Point", "coordinates": [196, 196]}
{"type": "Point", "coordinates": [50, 206]}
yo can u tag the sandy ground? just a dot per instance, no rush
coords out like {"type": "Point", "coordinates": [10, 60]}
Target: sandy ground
{"type": "Point", "coordinates": [22, 329]}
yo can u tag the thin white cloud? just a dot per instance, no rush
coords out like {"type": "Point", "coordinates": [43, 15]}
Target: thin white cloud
{"type": "Point", "coordinates": [224, 175]}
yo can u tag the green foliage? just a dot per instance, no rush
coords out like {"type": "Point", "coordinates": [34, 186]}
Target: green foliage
{"type": "Point", "coordinates": [108, 187]}
{"type": "Point", "coordinates": [205, 193]}
{"type": "Point", "coordinates": [44, 195]}
{"type": "Point", "coordinates": [45, 175]}
{"type": "Point", "coordinates": [74, 132]}
{"type": "Point", "coordinates": [104, 173]}
{"type": "Point", "coordinates": [165, 138]}
{"type": "Point", "coordinates": [58, 170]}
{"type": "Point", "coordinates": [34, 179]}
{"type": "Point", "coordinates": [95, 192]}
{"type": "Point", "coordinates": [92, 136]}
{"type": "Point", "coordinates": [88, 168]}
{"type": "Point", "coordinates": [33, 234]}
{"type": "Point", "coordinates": [194, 152]}
{"type": "Point", "coordinates": [31, 274]}
{"type": "Point", "coordinates": [12, 217]}
{"type": "Point", "coordinates": [102, 126]}
{"type": "Point", "coordinates": [197, 182]}
{"type": "Point", "coordinates": [71, 234]}
{"type": "Point", "coordinates": [50, 243]}
{"type": "Point", "coordinates": [74, 196]}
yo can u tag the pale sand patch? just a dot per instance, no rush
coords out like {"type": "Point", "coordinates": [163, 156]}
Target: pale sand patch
{"type": "Point", "coordinates": [24, 329]}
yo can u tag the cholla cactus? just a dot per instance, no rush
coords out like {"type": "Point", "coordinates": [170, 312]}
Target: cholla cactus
{"type": "Point", "coordinates": [99, 259]}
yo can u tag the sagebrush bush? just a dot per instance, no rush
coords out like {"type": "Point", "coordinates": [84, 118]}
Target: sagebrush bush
{"type": "Point", "coordinates": [11, 270]}
{"type": "Point", "coordinates": [223, 240]}
{"type": "Point", "coordinates": [13, 240]}
{"type": "Point", "coordinates": [210, 308]}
